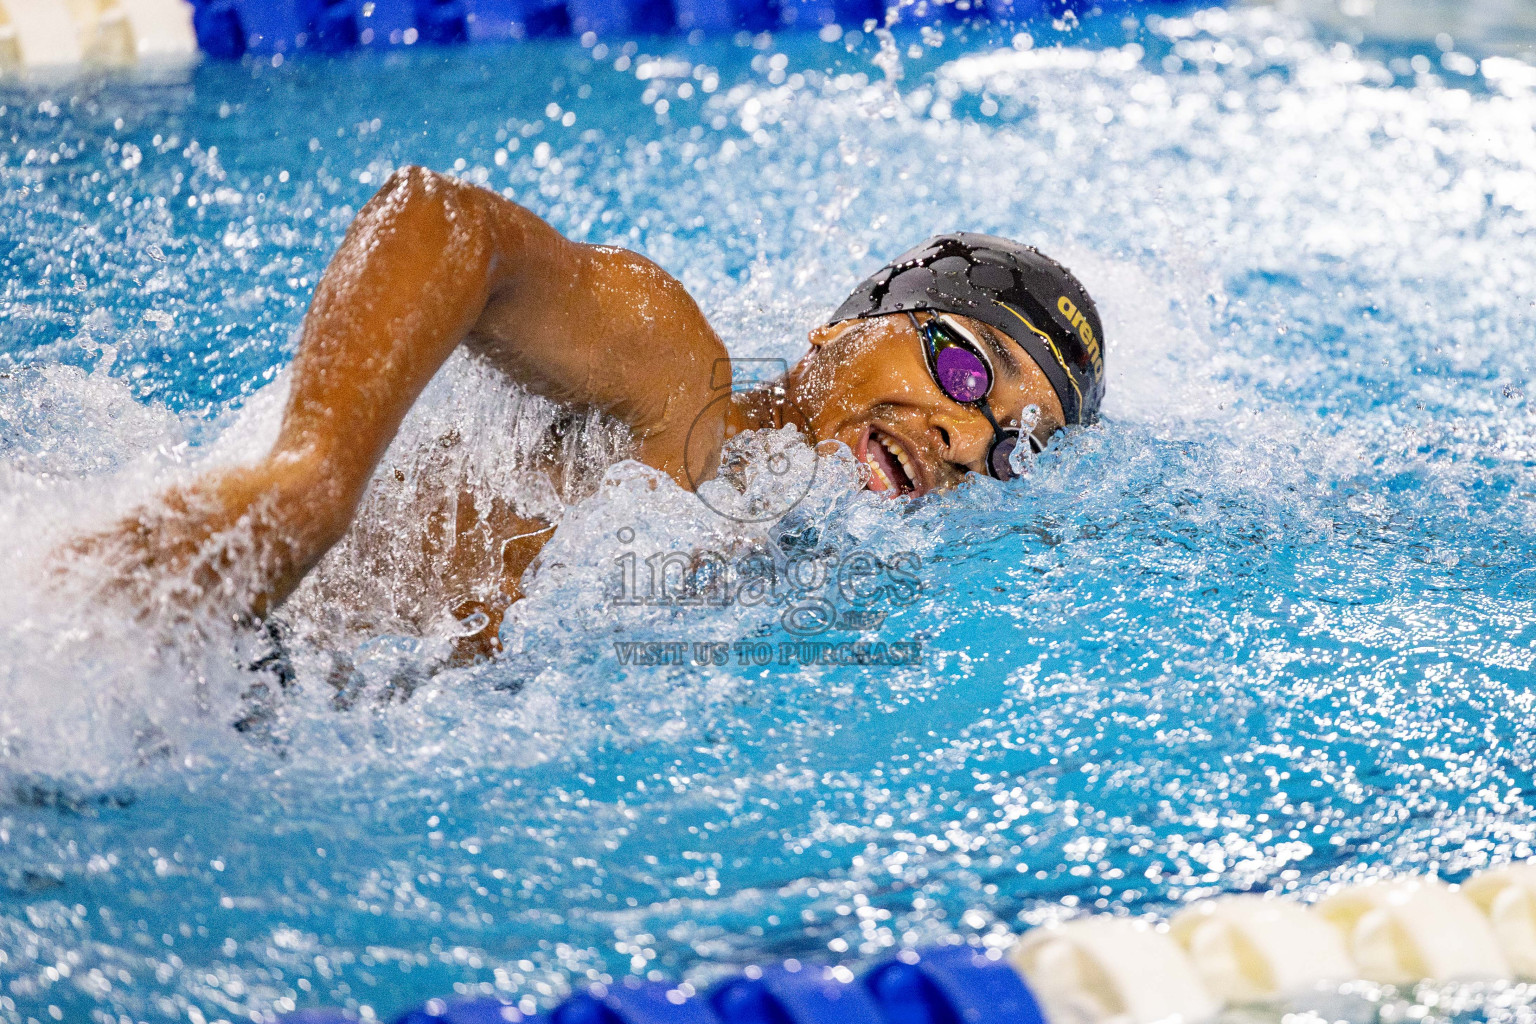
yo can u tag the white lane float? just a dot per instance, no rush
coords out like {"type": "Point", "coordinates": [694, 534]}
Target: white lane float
{"type": "Point", "coordinates": [1271, 952]}
{"type": "Point", "coordinates": [1411, 930]}
{"type": "Point", "coordinates": [1259, 949]}
{"type": "Point", "coordinates": [56, 35]}
{"type": "Point", "coordinates": [37, 34]}
{"type": "Point", "coordinates": [127, 31]}
{"type": "Point", "coordinates": [1112, 970]}
{"type": "Point", "coordinates": [1507, 895]}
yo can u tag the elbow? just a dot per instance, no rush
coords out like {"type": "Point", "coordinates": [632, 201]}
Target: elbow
{"type": "Point", "coordinates": [414, 180]}
{"type": "Point", "coordinates": [408, 176]}
{"type": "Point", "coordinates": [414, 193]}
{"type": "Point", "coordinates": [447, 222]}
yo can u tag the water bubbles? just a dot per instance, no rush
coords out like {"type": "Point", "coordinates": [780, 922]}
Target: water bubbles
{"type": "Point", "coordinates": [1265, 626]}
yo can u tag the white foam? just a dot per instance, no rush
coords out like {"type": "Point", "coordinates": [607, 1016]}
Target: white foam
{"type": "Point", "coordinates": [1317, 292]}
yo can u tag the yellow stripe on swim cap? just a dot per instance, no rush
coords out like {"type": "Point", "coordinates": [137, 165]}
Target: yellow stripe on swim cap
{"type": "Point", "coordinates": [1055, 352]}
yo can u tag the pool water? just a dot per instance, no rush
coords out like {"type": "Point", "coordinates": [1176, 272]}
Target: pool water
{"type": "Point", "coordinates": [1268, 627]}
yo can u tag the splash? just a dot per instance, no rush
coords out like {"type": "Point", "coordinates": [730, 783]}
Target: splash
{"type": "Point", "coordinates": [1268, 626]}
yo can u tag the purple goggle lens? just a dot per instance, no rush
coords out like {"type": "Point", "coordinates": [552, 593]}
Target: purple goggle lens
{"type": "Point", "coordinates": [965, 377]}
{"type": "Point", "coordinates": [962, 374]}
{"type": "Point", "coordinates": [997, 458]}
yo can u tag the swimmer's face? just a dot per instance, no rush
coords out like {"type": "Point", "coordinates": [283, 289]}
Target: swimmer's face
{"type": "Point", "coordinates": [866, 383]}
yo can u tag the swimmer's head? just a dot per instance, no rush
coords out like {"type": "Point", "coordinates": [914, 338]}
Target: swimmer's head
{"type": "Point", "coordinates": [948, 357]}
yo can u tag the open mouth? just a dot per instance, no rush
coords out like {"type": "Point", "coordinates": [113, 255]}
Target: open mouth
{"type": "Point", "coordinates": [891, 469]}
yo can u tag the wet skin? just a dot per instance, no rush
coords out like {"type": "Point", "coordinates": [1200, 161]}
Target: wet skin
{"type": "Point", "coordinates": [866, 383]}
{"type": "Point", "coordinates": [431, 263]}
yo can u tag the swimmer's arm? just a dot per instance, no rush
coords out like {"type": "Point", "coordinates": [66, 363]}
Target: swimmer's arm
{"type": "Point", "coordinates": [605, 328]}
{"type": "Point", "coordinates": [427, 263]}
{"type": "Point", "coordinates": [431, 262]}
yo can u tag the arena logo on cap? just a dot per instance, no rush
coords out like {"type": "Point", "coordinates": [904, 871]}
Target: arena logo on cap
{"type": "Point", "coordinates": [1084, 330]}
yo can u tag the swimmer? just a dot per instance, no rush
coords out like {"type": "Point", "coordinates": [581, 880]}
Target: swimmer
{"type": "Point", "coordinates": [962, 356]}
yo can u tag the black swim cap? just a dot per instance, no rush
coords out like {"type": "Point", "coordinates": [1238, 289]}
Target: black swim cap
{"type": "Point", "coordinates": [1012, 287]}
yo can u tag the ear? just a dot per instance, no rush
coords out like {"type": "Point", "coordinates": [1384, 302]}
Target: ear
{"type": "Point", "coordinates": [819, 336]}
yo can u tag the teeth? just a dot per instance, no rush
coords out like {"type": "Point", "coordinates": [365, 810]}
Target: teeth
{"type": "Point", "coordinates": [900, 457]}
{"type": "Point", "coordinates": [879, 474]}
{"type": "Point", "coordinates": [880, 478]}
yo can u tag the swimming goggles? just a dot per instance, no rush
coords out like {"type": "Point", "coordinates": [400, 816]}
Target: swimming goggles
{"type": "Point", "coordinates": [965, 376]}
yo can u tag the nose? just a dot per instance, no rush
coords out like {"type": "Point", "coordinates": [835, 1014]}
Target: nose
{"type": "Point", "coordinates": [964, 435]}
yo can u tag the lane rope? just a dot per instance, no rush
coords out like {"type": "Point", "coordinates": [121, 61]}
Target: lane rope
{"type": "Point", "coordinates": [1218, 953]}
{"type": "Point", "coordinates": [235, 28]}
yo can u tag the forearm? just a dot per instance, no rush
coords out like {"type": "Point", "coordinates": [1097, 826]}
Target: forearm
{"type": "Point", "coordinates": [239, 538]}
{"type": "Point", "coordinates": [409, 279]}
{"type": "Point", "coordinates": [430, 262]}
{"type": "Point", "coordinates": [412, 275]}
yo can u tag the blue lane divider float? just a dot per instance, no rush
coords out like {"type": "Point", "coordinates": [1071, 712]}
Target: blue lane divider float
{"type": "Point", "coordinates": [792, 994]}
{"type": "Point", "coordinates": [632, 1002]}
{"type": "Point", "coordinates": [944, 985]}
{"type": "Point", "coordinates": [232, 28]}
{"type": "Point", "coordinates": [952, 985]}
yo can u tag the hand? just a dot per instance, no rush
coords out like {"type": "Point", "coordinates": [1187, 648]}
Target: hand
{"type": "Point", "coordinates": [232, 540]}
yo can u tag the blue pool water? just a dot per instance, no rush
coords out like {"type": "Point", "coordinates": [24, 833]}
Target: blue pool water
{"type": "Point", "coordinates": [1269, 627]}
